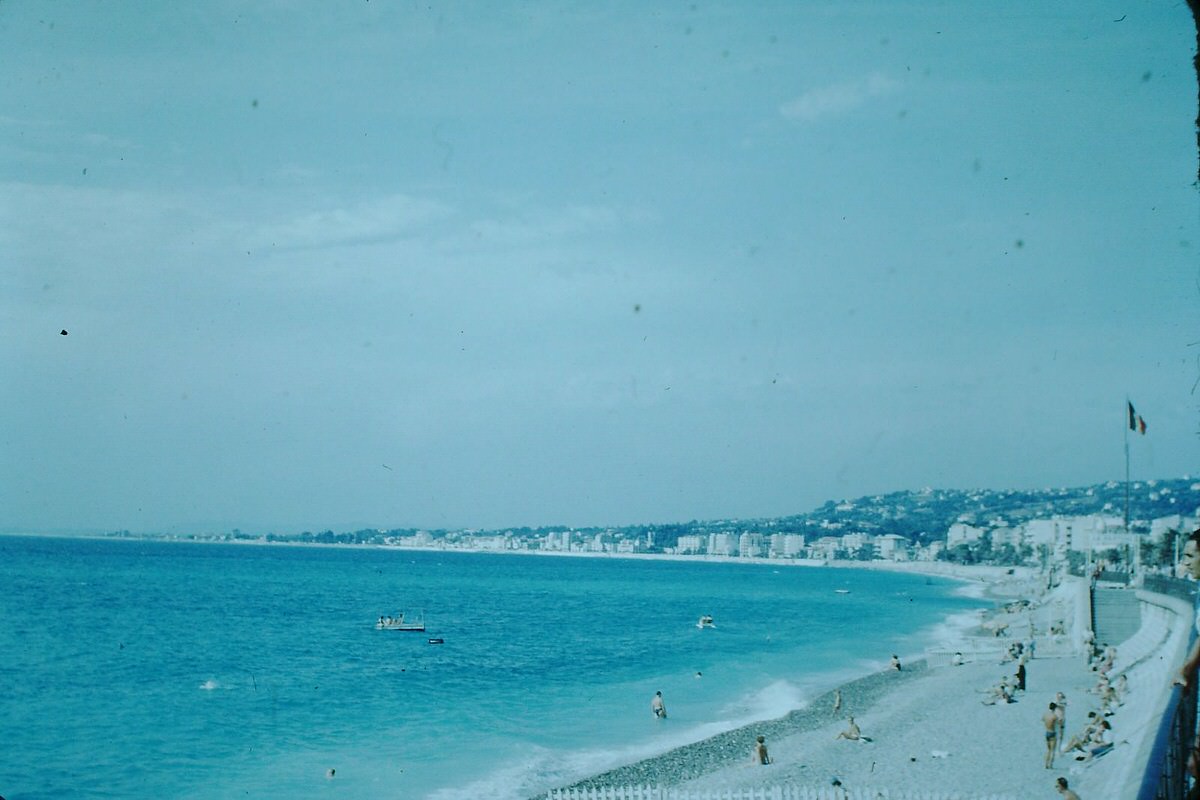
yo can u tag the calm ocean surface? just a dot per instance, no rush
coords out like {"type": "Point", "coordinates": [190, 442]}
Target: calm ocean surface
{"type": "Point", "coordinates": [159, 670]}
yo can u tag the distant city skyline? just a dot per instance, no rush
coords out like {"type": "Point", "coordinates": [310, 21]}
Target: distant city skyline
{"type": "Point", "coordinates": [293, 266]}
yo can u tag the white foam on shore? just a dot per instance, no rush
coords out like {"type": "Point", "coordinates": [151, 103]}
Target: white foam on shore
{"type": "Point", "coordinates": [976, 590]}
{"type": "Point", "coordinates": [771, 702]}
{"type": "Point", "coordinates": [542, 768]}
{"type": "Point", "coordinates": [951, 632]}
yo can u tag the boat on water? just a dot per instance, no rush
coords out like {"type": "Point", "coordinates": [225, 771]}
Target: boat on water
{"type": "Point", "coordinates": [842, 591]}
{"type": "Point", "coordinates": [400, 623]}
{"type": "Point", "coordinates": [705, 621]}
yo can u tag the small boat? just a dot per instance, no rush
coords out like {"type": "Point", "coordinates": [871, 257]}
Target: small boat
{"type": "Point", "coordinates": [437, 640]}
{"type": "Point", "coordinates": [705, 621]}
{"type": "Point", "coordinates": [842, 591]}
{"type": "Point", "coordinates": [399, 623]}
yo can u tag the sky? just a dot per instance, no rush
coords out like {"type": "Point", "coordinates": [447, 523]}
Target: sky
{"type": "Point", "coordinates": [477, 264]}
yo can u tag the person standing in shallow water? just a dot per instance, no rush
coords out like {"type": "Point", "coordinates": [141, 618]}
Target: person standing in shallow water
{"type": "Point", "coordinates": [657, 707]}
{"type": "Point", "coordinates": [895, 662]}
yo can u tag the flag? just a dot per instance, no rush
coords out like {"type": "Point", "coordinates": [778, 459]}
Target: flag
{"type": "Point", "coordinates": [1136, 423]}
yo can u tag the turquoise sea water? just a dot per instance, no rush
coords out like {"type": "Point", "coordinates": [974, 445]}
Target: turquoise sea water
{"type": "Point", "coordinates": [139, 669]}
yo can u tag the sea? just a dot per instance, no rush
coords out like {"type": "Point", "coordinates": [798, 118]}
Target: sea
{"type": "Point", "coordinates": [156, 669]}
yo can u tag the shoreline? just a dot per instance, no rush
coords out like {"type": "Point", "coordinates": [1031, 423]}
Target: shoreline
{"type": "Point", "coordinates": [695, 760]}
{"type": "Point", "coordinates": [971, 573]}
{"type": "Point", "coordinates": [861, 690]}
{"type": "Point", "coordinates": [931, 728]}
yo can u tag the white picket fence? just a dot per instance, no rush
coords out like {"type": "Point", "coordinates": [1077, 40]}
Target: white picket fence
{"type": "Point", "coordinates": [782, 792]}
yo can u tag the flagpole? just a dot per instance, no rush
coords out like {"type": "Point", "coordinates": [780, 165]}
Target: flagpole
{"type": "Point", "coordinates": [1128, 407]}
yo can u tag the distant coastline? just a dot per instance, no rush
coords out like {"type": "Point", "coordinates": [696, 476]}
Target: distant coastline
{"type": "Point", "coordinates": [965, 572]}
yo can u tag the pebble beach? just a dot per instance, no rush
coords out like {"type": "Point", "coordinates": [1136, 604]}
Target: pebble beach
{"type": "Point", "coordinates": [931, 731]}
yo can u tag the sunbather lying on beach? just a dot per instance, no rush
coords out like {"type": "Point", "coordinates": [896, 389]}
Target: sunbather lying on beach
{"type": "Point", "coordinates": [998, 694]}
{"type": "Point", "coordinates": [1099, 743]}
{"type": "Point", "coordinates": [1097, 733]}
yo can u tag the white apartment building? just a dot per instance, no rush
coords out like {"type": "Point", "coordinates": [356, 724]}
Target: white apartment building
{"type": "Point", "coordinates": [722, 544]}
{"type": "Point", "coordinates": [690, 544]}
{"type": "Point", "coordinates": [750, 545]}
{"type": "Point", "coordinates": [787, 545]}
{"type": "Point", "coordinates": [488, 542]}
{"type": "Point", "coordinates": [1006, 535]}
{"type": "Point", "coordinates": [962, 533]}
{"type": "Point", "coordinates": [891, 547]}
{"type": "Point", "coordinates": [853, 542]}
{"type": "Point", "coordinates": [825, 547]}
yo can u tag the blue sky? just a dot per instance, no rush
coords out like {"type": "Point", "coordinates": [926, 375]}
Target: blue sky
{"type": "Point", "coordinates": [493, 264]}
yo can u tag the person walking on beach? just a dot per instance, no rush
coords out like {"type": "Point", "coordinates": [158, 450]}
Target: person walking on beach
{"type": "Point", "coordinates": [1065, 790]}
{"type": "Point", "coordinates": [1050, 721]}
{"type": "Point", "coordinates": [1021, 675]}
{"type": "Point", "coordinates": [760, 751]}
{"type": "Point", "coordinates": [837, 700]}
{"type": "Point", "coordinates": [657, 707]}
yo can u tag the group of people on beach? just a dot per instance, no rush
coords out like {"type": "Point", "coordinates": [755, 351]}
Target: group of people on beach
{"type": "Point", "coordinates": [1095, 737]}
{"type": "Point", "coordinates": [759, 754]}
{"type": "Point", "coordinates": [1005, 690]}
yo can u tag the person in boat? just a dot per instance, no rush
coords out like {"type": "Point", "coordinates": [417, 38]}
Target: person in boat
{"type": "Point", "coordinates": [657, 707]}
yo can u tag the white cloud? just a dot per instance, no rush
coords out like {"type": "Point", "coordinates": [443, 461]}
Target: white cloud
{"type": "Point", "coordinates": [539, 226]}
{"type": "Point", "coordinates": [377, 220]}
{"type": "Point", "coordinates": [837, 99]}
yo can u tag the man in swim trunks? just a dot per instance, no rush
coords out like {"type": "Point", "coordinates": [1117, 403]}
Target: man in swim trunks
{"type": "Point", "coordinates": [657, 707]}
{"type": "Point", "coordinates": [1050, 720]}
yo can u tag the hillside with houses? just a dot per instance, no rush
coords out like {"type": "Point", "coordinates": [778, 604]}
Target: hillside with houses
{"type": "Point", "coordinates": [968, 526]}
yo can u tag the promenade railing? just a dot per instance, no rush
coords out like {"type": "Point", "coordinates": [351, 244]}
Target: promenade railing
{"type": "Point", "coordinates": [1166, 775]}
{"type": "Point", "coordinates": [779, 792]}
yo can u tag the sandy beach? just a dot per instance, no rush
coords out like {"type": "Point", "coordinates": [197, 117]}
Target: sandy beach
{"type": "Point", "coordinates": [930, 728]}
